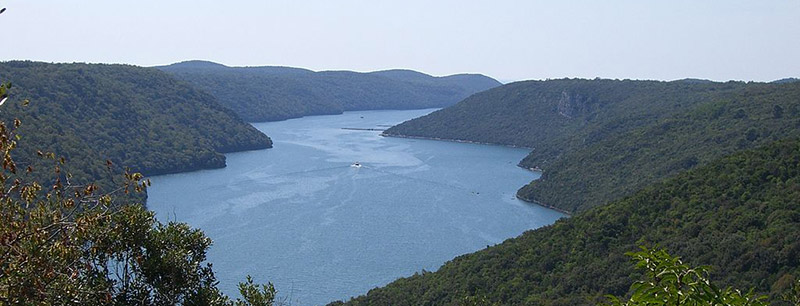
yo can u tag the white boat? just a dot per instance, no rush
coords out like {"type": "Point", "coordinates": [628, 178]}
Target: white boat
{"type": "Point", "coordinates": [356, 165]}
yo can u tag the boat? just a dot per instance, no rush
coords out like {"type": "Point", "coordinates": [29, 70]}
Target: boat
{"type": "Point", "coordinates": [356, 165]}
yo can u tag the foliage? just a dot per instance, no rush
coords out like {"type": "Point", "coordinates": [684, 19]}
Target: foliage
{"type": "Point", "coordinates": [133, 117]}
{"type": "Point", "coordinates": [66, 244]}
{"type": "Point", "coordinates": [741, 214]}
{"type": "Point", "coordinates": [671, 282]}
{"type": "Point", "coordinates": [278, 93]}
{"type": "Point", "coordinates": [545, 115]}
{"type": "Point", "coordinates": [137, 117]}
{"type": "Point", "coordinates": [600, 140]}
{"type": "Point", "coordinates": [265, 296]}
{"type": "Point", "coordinates": [619, 164]}
{"type": "Point", "coordinates": [793, 295]}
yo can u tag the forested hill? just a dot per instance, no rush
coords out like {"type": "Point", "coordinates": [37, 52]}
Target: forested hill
{"type": "Point", "coordinates": [740, 215]}
{"type": "Point", "coordinates": [786, 80]}
{"type": "Point", "coordinates": [137, 117]}
{"type": "Point", "coordinates": [277, 93]}
{"type": "Point", "coordinates": [599, 140]}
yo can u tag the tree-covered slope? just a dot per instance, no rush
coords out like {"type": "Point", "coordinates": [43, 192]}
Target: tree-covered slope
{"type": "Point", "coordinates": [276, 93]}
{"type": "Point", "coordinates": [598, 140]}
{"type": "Point", "coordinates": [136, 117]}
{"type": "Point", "coordinates": [621, 163]}
{"type": "Point", "coordinates": [786, 80]}
{"type": "Point", "coordinates": [551, 115]}
{"type": "Point", "coordinates": [740, 214]}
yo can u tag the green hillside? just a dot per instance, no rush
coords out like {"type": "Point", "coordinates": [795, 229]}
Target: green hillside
{"type": "Point", "coordinates": [740, 215]}
{"type": "Point", "coordinates": [619, 164]}
{"type": "Point", "coordinates": [599, 140]}
{"type": "Point", "coordinates": [277, 93]}
{"type": "Point", "coordinates": [136, 117]}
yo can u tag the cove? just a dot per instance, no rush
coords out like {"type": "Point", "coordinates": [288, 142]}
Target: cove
{"type": "Point", "coordinates": [301, 216]}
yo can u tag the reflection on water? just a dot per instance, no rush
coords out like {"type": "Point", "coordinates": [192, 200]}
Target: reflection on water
{"type": "Point", "coordinates": [301, 216]}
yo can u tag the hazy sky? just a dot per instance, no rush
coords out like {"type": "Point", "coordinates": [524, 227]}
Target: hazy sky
{"type": "Point", "coordinates": [508, 40]}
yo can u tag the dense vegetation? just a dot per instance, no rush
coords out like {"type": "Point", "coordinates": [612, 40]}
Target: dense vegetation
{"type": "Point", "coordinates": [599, 140]}
{"type": "Point", "coordinates": [621, 163]}
{"type": "Point", "coordinates": [135, 117]}
{"type": "Point", "coordinates": [740, 214]}
{"type": "Point", "coordinates": [65, 243]}
{"type": "Point", "coordinates": [277, 93]}
{"type": "Point", "coordinates": [669, 281]}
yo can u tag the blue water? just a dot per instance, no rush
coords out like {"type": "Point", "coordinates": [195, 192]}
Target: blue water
{"type": "Point", "coordinates": [300, 216]}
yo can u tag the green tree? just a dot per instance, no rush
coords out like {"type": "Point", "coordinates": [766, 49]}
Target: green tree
{"type": "Point", "coordinates": [255, 296]}
{"type": "Point", "coordinates": [64, 243]}
{"type": "Point", "coordinates": [671, 282]}
{"type": "Point", "coordinates": [793, 295]}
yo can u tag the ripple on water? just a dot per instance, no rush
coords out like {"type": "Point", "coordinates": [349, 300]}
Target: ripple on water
{"type": "Point", "coordinates": [298, 215]}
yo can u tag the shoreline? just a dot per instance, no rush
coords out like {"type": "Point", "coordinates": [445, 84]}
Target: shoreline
{"type": "Point", "coordinates": [544, 205]}
{"type": "Point", "coordinates": [539, 170]}
{"type": "Point", "coordinates": [454, 140]}
{"type": "Point", "coordinates": [535, 169]}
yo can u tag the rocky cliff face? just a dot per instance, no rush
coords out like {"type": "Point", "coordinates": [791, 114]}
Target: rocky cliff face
{"type": "Point", "coordinates": [573, 105]}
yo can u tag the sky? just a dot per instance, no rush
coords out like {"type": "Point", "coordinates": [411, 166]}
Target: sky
{"type": "Point", "coordinates": [507, 40]}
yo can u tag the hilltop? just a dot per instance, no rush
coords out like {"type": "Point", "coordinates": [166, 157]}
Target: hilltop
{"type": "Point", "coordinates": [277, 93]}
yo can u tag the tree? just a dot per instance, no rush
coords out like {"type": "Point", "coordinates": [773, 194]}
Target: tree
{"type": "Point", "coordinates": [265, 296]}
{"type": "Point", "coordinates": [671, 282]}
{"type": "Point", "coordinates": [66, 243]}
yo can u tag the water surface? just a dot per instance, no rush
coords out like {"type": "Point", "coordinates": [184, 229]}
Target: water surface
{"type": "Point", "coordinates": [299, 215]}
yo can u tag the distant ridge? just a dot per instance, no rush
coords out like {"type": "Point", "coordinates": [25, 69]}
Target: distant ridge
{"type": "Point", "coordinates": [194, 65]}
{"type": "Point", "coordinates": [197, 64]}
{"type": "Point", "coordinates": [786, 80]}
{"type": "Point", "coordinates": [695, 81]}
{"type": "Point", "coordinates": [276, 93]}
{"type": "Point", "coordinates": [403, 75]}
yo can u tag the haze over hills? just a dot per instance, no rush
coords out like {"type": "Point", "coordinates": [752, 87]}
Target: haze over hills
{"type": "Point", "coordinates": [277, 93]}
{"type": "Point", "coordinates": [738, 214]}
{"type": "Point", "coordinates": [786, 80]}
{"type": "Point", "coordinates": [136, 117]}
{"type": "Point", "coordinates": [600, 140]}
